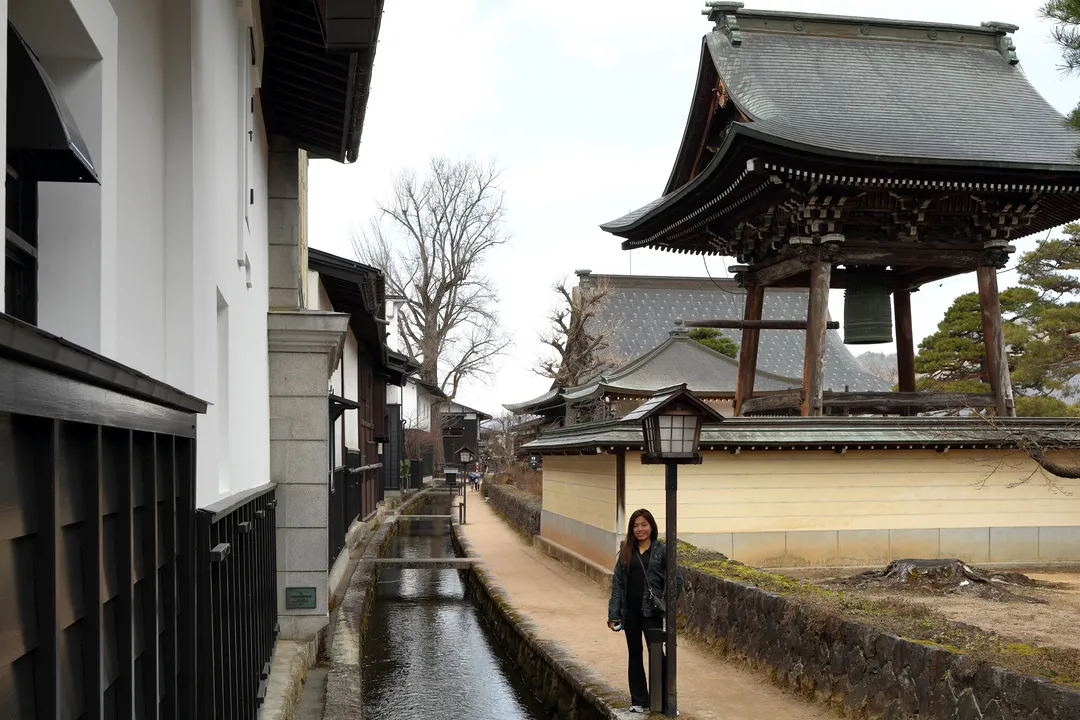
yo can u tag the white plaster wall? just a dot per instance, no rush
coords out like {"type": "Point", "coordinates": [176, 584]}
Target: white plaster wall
{"type": "Point", "coordinates": [349, 362]}
{"type": "Point", "coordinates": [218, 181]}
{"type": "Point", "coordinates": [78, 45]}
{"type": "Point", "coordinates": [134, 268]}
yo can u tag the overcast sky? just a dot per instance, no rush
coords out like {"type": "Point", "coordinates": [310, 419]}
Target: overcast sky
{"type": "Point", "coordinates": [583, 104]}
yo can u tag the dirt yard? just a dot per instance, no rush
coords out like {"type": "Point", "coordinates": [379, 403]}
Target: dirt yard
{"type": "Point", "coordinates": [1054, 623]}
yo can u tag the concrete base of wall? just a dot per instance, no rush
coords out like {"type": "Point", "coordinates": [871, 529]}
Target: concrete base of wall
{"type": "Point", "coordinates": [843, 548]}
{"type": "Point", "coordinates": [598, 545]}
{"type": "Point", "coordinates": [594, 571]}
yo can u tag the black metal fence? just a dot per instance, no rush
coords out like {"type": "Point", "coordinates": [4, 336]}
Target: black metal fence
{"type": "Point", "coordinates": [237, 587]}
{"type": "Point", "coordinates": [354, 494]}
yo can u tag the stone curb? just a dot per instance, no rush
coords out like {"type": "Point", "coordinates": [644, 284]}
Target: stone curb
{"type": "Point", "coordinates": [565, 687]}
{"type": "Point", "coordinates": [344, 680]}
{"type": "Point", "coordinates": [520, 509]}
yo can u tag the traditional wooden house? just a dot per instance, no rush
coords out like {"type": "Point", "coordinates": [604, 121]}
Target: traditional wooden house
{"type": "Point", "coordinates": [460, 429]}
{"type": "Point", "coordinates": [815, 153]}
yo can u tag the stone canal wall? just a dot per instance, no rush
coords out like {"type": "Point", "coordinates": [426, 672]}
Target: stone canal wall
{"type": "Point", "coordinates": [520, 508]}
{"type": "Point", "coordinates": [344, 680]}
{"type": "Point", "coordinates": [861, 671]}
{"type": "Point", "coordinates": [567, 690]}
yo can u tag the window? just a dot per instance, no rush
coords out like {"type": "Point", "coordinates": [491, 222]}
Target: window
{"type": "Point", "coordinates": [453, 431]}
{"type": "Point", "coordinates": [20, 246]}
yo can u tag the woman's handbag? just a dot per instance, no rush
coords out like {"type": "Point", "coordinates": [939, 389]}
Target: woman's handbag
{"type": "Point", "coordinates": [656, 601]}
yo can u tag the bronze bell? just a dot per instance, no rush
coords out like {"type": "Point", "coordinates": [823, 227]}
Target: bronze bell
{"type": "Point", "coordinates": [867, 308]}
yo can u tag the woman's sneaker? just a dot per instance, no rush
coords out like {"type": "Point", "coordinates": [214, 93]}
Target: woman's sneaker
{"type": "Point", "coordinates": [638, 709]}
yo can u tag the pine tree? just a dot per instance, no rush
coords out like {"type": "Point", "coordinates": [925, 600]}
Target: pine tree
{"type": "Point", "coordinates": [718, 341]}
{"type": "Point", "coordinates": [1041, 322]}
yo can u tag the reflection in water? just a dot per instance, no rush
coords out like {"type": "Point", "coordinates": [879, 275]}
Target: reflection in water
{"type": "Point", "coordinates": [428, 654]}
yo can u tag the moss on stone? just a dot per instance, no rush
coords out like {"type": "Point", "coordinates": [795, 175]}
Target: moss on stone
{"type": "Point", "coordinates": [912, 621]}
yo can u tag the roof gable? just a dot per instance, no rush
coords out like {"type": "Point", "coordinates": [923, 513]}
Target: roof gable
{"type": "Point", "coordinates": [682, 360]}
{"type": "Point", "coordinates": [643, 310]}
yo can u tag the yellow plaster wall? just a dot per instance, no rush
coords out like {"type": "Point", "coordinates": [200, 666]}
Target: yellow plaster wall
{"type": "Point", "coordinates": [859, 490]}
{"type": "Point", "coordinates": [581, 488]}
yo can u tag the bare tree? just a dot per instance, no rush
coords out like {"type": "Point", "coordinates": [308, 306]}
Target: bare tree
{"type": "Point", "coordinates": [880, 365]}
{"type": "Point", "coordinates": [501, 440]}
{"type": "Point", "coordinates": [578, 343]}
{"type": "Point", "coordinates": [1053, 449]}
{"type": "Point", "coordinates": [431, 241]}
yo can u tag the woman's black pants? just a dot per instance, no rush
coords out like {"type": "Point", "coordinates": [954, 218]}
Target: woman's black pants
{"type": "Point", "coordinates": [636, 626]}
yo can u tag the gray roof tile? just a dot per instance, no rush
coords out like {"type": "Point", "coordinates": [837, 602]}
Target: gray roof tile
{"type": "Point", "coordinates": [643, 311]}
{"type": "Point", "coordinates": [894, 99]}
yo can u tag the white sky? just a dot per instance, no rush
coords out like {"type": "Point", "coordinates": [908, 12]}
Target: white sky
{"type": "Point", "coordinates": [583, 104]}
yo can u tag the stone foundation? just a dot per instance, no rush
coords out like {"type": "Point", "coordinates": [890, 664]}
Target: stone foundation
{"type": "Point", "coordinates": [858, 670]}
{"type": "Point", "coordinates": [519, 508]}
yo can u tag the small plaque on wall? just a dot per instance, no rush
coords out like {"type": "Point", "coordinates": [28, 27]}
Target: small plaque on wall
{"type": "Point", "coordinates": [300, 598]}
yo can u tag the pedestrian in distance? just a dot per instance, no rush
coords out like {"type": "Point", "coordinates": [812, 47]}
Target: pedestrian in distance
{"type": "Point", "coordinates": [637, 599]}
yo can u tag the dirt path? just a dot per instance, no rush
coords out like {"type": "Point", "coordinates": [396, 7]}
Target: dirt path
{"type": "Point", "coordinates": [572, 611]}
{"type": "Point", "coordinates": [1054, 623]}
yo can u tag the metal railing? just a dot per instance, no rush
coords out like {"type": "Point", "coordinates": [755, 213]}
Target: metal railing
{"type": "Point", "coordinates": [237, 597]}
{"type": "Point", "coordinates": [354, 495]}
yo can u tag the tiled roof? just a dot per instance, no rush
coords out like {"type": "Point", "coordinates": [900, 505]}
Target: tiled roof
{"type": "Point", "coordinates": [881, 95]}
{"type": "Point", "coordinates": [642, 310]}
{"type": "Point", "coordinates": [681, 360]}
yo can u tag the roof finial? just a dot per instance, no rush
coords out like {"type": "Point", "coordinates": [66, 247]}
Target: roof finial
{"type": "Point", "coordinates": [723, 13]}
{"type": "Point", "coordinates": [680, 329]}
{"type": "Point", "coordinates": [1005, 43]}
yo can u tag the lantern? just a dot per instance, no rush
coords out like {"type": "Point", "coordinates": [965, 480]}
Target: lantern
{"type": "Point", "coordinates": [671, 421]}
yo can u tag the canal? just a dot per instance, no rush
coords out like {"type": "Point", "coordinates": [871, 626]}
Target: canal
{"type": "Point", "coordinates": [428, 653]}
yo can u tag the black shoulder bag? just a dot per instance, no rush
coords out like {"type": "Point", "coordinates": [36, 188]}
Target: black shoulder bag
{"type": "Point", "coordinates": [656, 601]}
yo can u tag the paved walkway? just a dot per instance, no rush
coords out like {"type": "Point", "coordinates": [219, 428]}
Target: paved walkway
{"type": "Point", "coordinates": [571, 610]}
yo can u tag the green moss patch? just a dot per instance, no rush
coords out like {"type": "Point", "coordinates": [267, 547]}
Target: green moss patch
{"type": "Point", "coordinates": [912, 621]}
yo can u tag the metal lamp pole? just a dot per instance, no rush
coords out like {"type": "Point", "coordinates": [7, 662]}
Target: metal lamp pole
{"type": "Point", "coordinates": [671, 599]}
{"type": "Point", "coordinates": [671, 423]}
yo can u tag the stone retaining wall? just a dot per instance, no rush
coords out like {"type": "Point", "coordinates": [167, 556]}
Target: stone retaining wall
{"type": "Point", "coordinates": [861, 671]}
{"type": "Point", "coordinates": [518, 507]}
{"type": "Point", "coordinates": [567, 690]}
{"type": "Point", "coordinates": [345, 679]}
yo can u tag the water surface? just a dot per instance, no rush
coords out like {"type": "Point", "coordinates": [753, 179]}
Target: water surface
{"type": "Point", "coordinates": [428, 655]}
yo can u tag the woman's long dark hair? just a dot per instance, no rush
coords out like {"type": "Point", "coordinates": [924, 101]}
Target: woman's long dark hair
{"type": "Point", "coordinates": [630, 543]}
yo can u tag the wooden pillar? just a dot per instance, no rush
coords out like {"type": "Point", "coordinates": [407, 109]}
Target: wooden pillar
{"type": "Point", "coordinates": [997, 361]}
{"type": "Point", "coordinates": [748, 348]}
{"type": "Point", "coordinates": [817, 317]}
{"type": "Point", "coordinates": [905, 344]}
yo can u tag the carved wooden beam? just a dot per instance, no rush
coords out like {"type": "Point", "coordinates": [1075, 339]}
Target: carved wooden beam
{"type": "Point", "coordinates": [757, 324]}
{"type": "Point", "coordinates": [875, 403]}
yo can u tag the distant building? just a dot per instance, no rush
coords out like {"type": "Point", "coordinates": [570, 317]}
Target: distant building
{"type": "Point", "coordinates": [641, 314]}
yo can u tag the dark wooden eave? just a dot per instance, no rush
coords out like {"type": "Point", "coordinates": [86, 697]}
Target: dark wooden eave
{"type": "Point", "coordinates": [317, 72]}
{"type": "Point", "coordinates": [360, 291]}
{"type": "Point", "coordinates": [792, 136]}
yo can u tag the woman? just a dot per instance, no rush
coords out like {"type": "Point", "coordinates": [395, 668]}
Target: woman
{"type": "Point", "coordinates": [635, 589]}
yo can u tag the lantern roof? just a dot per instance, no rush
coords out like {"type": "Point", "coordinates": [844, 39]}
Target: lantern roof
{"type": "Point", "coordinates": [798, 101]}
{"type": "Point", "coordinates": [464, 448]}
{"type": "Point", "coordinates": [677, 397]}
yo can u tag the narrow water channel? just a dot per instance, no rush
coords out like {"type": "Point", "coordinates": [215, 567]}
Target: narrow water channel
{"type": "Point", "coordinates": [428, 653]}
